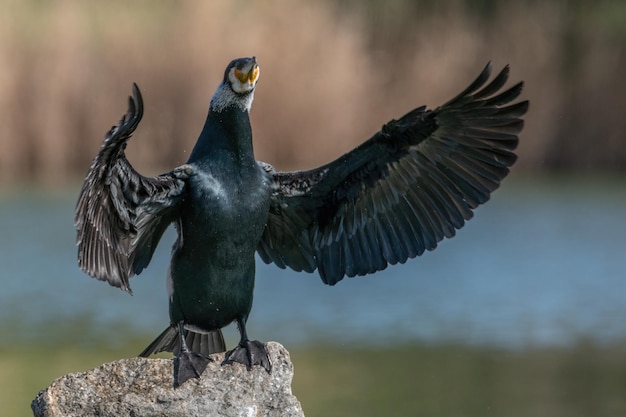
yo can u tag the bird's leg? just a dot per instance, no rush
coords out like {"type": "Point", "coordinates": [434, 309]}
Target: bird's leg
{"type": "Point", "coordinates": [248, 352]}
{"type": "Point", "coordinates": [187, 364]}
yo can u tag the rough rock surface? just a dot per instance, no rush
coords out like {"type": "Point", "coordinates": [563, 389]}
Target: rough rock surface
{"type": "Point", "coordinates": [141, 387]}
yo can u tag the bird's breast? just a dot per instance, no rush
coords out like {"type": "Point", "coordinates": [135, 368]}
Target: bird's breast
{"type": "Point", "coordinates": [224, 218]}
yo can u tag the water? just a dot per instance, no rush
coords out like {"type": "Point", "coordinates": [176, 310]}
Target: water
{"type": "Point", "coordinates": [542, 264]}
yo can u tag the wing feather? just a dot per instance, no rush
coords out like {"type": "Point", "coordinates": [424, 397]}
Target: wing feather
{"type": "Point", "coordinates": [414, 183]}
{"type": "Point", "coordinates": [121, 215]}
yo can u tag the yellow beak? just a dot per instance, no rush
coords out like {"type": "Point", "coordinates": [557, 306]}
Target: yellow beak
{"type": "Point", "coordinates": [249, 73]}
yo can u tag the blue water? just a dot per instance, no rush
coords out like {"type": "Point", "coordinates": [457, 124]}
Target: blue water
{"type": "Point", "coordinates": [542, 264]}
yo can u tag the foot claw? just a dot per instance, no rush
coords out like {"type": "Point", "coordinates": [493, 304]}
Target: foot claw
{"type": "Point", "coordinates": [189, 365]}
{"type": "Point", "coordinates": [249, 353]}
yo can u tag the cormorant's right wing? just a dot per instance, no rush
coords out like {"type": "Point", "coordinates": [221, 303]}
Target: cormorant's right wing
{"type": "Point", "coordinates": [121, 215]}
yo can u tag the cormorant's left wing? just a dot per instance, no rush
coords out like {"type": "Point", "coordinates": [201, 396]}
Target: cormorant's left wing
{"type": "Point", "coordinates": [121, 215]}
{"type": "Point", "coordinates": [401, 192]}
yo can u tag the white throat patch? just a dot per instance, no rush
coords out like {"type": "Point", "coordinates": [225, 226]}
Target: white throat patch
{"type": "Point", "coordinates": [225, 97]}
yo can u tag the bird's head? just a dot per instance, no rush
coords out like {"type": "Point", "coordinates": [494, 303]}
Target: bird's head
{"type": "Point", "coordinates": [237, 88]}
{"type": "Point", "coordinates": [242, 74]}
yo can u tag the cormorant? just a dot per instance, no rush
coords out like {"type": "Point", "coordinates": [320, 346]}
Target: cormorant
{"type": "Point", "coordinates": [398, 194]}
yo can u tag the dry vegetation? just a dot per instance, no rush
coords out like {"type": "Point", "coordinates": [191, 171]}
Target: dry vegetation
{"type": "Point", "coordinates": [331, 75]}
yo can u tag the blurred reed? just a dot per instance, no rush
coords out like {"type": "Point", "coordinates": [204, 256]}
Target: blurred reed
{"type": "Point", "coordinates": [332, 74]}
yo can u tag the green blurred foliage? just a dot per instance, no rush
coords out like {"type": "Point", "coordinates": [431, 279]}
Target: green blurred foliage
{"type": "Point", "coordinates": [447, 380]}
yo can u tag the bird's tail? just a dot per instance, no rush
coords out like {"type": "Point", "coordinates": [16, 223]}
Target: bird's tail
{"type": "Point", "coordinates": [169, 341]}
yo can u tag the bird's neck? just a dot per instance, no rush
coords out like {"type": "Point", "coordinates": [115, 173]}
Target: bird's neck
{"type": "Point", "coordinates": [226, 136]}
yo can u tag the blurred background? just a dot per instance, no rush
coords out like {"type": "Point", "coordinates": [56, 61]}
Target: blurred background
{"type": "Point", "coordinates": [522, 314]}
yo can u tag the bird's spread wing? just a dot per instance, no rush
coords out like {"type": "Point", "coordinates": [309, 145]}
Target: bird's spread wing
{"type": "Point", "coordinates": [121, 215]}
{"type": "Point", "coordinates": [413, 183]}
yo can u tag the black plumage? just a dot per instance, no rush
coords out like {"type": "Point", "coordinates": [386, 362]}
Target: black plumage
{"type": "Point", "coordinates": [413, 183]}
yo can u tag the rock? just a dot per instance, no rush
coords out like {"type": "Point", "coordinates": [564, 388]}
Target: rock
{"type": "Point", "coordinates": [144, 387]}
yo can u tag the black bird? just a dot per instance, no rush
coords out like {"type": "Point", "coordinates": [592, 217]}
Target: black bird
{"type": "Point", "coordinates": [398, 194]}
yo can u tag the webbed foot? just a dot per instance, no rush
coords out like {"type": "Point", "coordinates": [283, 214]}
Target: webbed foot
{"type": "Point", "coordinates": [189, 365]}
{"type": "Point", "coordinates": [249, 353]}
